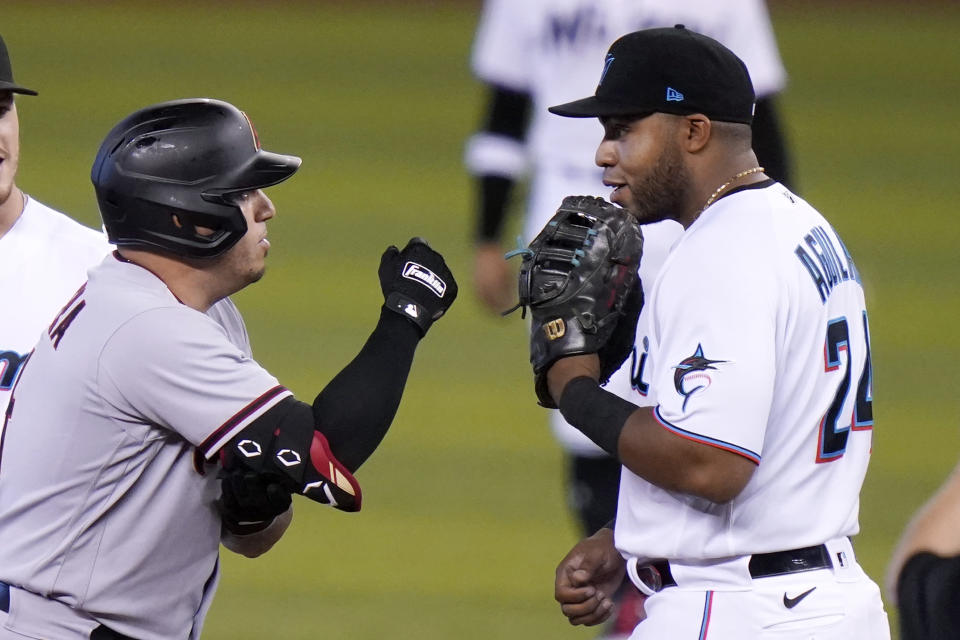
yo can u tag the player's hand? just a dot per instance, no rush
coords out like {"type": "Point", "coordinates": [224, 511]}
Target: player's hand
{"type": "Point", "coordinates": [416, 283]}
{"type": "Point", "coordinates": [493, 279]}
{"type": "Point", "coordinates": [250, 501]}
{"type": "Point", "coordinates": [587, 579]}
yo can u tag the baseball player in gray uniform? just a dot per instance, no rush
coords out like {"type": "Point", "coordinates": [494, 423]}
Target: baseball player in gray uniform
{"type": "Point", "coordinates": [139, 436]}
{"type": "Point", "coordinates": [758, 364]}
{"type": "Point", "coordinates": [44, 254]}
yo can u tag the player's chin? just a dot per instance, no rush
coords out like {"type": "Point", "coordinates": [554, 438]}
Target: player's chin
{"type": "Point", "coordinates": [256, 274]}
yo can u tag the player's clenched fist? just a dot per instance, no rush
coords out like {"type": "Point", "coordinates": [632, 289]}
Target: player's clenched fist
{"type": "Point", "coordinates": [587, 579]}
{"type": "Point", "coordinates": [416, 283]}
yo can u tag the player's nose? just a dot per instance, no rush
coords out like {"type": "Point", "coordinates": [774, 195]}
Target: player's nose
{"type": "Point", "coordinates": [263, 207]}
{"type": "Point", "coordinates": [606, 155]}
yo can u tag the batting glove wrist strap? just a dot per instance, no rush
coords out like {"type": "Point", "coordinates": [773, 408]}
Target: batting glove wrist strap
{"type": "Point", "coordinates": [597, 413]}
{"type": "Point", "coordinates": [409, 309]}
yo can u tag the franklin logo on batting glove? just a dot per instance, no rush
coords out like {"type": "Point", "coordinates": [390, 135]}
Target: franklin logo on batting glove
{"type": "Point", "coordinates": [419, 273]}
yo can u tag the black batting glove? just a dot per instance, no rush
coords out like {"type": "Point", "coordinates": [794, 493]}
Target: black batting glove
{"type": "Point", "coordinates": [416, 283]}
{"type": "Point", "coordinates": [250, 501]}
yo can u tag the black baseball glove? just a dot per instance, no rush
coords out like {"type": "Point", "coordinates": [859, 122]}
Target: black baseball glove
{"type": "Point", "coordinates": [416, 283]}
{"type": "Point", "coordinates": [579, 279]}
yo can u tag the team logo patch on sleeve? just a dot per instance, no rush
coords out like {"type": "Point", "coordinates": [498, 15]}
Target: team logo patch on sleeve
{"type": "Point", "coordinates": [690, 375]}
{"type": "Point", "coordinates": [419, 273]}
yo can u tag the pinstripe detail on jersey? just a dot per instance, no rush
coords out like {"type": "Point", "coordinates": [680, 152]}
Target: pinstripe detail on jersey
{"type": "Point", "coordinates": [241, 419]}
{"type": "Point", "coordinates": [713, 442]}
{"type": "Point", "coordinates": [707, 609]}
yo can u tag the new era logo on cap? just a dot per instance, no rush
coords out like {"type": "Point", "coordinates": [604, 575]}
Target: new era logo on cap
{"type": "Point", "coordinates": [673, 95]}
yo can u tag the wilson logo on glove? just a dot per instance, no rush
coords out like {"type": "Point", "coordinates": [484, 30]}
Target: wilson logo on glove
{"type": "Point", "coordinates": [419, 273]}
{"type": "Point", "coordinates": [555, 329]}
{"type": "Point", "coordinates": [579, 280]}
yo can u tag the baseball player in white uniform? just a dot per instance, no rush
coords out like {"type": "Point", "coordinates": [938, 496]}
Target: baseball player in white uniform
{"type": "Point", "coordinates": [135, 405]}
{"type": "Point", "coordinates": [44, 254]}
{"type": "Point", "coordinates": [537, 53]}
{"type": "Point", "coordinates": [758, 361]}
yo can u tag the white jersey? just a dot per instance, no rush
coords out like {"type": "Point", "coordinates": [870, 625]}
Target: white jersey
{"type": "Point", "coordinates": [758, 345]}
{"type": "Point", "coordinates": [127, 396]}
{"type": "Point", "coordinates": [554, 50]}
{"type": "Point", "coordinates": [44, 259]}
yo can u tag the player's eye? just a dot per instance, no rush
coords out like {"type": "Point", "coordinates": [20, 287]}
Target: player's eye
{"type": "Point", "coordinates": [239, 197]}
{"type": "Point", "coordinates": [615, 129]}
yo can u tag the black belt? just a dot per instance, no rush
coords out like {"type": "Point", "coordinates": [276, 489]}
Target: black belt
{"type": "Point", "coordinates": [765, 565]}
{"type": "Point", "coordinates": [100, 633]}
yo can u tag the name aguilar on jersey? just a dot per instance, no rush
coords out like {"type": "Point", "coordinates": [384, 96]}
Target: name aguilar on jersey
{"type": "Point", "coordinates": [829, 269]}
{"type": "Point", "coordinates": [10, 364]}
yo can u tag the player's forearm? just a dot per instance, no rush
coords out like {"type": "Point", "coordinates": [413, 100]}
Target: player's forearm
{"type": "Point", "coordinates": [677, 464]}
{"type": "Point", "coordinates": [253, 544]}
{"type": "Point", "coordinates": [633, 436]}
{"type": "Point", "coordinates": [934, 528]}
{"type": "Point", "coordinates": [357, 407]}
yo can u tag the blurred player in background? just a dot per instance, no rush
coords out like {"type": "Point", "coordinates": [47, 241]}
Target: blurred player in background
{"type": "Point", "coordinates": [537, 53]}
{"type": "Point", "coordinates": [924, 575]}
{"type": "Point", "coordinates": [44, 255]}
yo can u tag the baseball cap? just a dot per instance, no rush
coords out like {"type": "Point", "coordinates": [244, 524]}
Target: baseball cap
{"type": "Point", "coordinates": [6, 74]}
{"type": "Point", "coordinates": [668, 70]}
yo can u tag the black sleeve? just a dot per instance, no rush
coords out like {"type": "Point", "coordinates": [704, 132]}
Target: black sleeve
{"type": "Point", "coordinates": [928, 592]}
{"type": "Point", "coordinates": [507, 115]}
{"type": "Point", "coordinates": [315, 450]}
{"type": "Point", "coordinates": [356, 408]}
{"type": "Point", "coordinates": [769, 143]}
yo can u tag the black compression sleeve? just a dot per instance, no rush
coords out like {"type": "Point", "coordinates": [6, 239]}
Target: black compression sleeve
{"type": "Point", "coordinates": [508, 112]}
{"type": "Point", "coordinates": [769, 142]}
{"type": "Point", "coordinates": [493, 193]}
{"type": "Point", "coordinates": [927, 592]}
{"type": "Point", "coordinates": [508, 115]}
{"type": "Point", "coordinates": [356, 408]}
{"type": "Point", "coordinates": [597, 413]}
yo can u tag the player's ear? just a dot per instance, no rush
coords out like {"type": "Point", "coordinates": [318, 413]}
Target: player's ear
{"type": "Point", "coordinates": [697, 130]}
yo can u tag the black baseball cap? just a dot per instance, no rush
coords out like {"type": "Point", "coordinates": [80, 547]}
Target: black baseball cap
{"type": "Point", "coordinates": [6, 74]}
{"type": "Point", "coordinates": [668, 70]}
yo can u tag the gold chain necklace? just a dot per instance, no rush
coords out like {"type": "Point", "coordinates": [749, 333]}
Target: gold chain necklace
{"type": "Point", "coordinates": [716, 194]}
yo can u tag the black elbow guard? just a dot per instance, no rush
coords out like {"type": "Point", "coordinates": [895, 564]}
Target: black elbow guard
{"type": "Point", "coordinates": [283, 443]}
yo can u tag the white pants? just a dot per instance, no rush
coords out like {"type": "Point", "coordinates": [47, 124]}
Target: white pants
{"type": "Point", "coordinates": [842, 605]}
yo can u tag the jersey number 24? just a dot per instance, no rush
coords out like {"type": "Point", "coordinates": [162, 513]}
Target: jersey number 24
{"type": "Point", "coordinates": [832, 442]}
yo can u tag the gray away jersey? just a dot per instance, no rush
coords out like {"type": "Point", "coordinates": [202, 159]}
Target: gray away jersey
{"type": "Point", "coordinates": [106, 488]}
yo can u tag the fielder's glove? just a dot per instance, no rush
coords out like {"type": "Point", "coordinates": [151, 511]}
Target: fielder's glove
{"type": "Point", "coordinates": [416, 283]}
{"type": "Point", "coordinates": [579, 279]}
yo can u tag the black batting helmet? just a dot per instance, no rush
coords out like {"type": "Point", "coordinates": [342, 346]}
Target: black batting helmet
{"type": "Point", "coordinates": [186, 158]}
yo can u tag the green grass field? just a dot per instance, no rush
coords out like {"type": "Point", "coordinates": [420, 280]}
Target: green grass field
{"type": "Point", "coordinates": [464, 517]}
